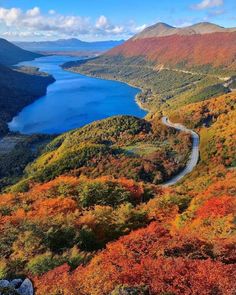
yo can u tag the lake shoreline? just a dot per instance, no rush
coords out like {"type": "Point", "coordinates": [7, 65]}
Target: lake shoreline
{"type": "Point", "coordinates": [110, 99]}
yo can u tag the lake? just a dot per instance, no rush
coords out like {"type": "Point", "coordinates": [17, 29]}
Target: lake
{"type": "Point", "coordinates": [73, 101]}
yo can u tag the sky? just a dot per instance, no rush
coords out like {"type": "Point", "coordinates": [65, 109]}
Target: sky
{"type": "Point", "coordinates": [90, 20]}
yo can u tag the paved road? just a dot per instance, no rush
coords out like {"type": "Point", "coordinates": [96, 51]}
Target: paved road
{"type": "Point", "coordinates": [194, 157]}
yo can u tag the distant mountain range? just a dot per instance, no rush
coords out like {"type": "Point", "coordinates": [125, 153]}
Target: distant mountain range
{"type": "Point", "coordinates": [162, 29]}
{"type": "Point", "coordinates": [11, 54]}
{"type": "Point", "coordinates": [69, 45]}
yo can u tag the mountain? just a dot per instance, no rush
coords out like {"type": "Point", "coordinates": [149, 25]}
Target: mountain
{"type": "Point", "coordinates": [18, 88]}
{"type": "Point", "coordinates": [172, 66]}
{"type": "Point", "coordinates": [162, 29]}
{"type": "Point", "coordinates": [11, 54]}
{"type": "Point", "coordinates": [203, 44]}
{"type": "Point", "coordinates": [72, 44]}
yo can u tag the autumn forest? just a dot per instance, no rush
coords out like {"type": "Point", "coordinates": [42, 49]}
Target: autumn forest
{"type": "Point", "coordinates": [90, 211]}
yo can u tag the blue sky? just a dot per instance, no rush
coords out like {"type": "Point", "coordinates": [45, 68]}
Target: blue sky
{"type": "Point", "coordinates": [104, 19]}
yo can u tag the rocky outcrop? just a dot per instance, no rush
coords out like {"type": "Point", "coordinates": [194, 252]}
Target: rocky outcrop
{"type": "Point", "coordinates": [125, 290]}
{"type": "Point", "coordinates": [16, 287]}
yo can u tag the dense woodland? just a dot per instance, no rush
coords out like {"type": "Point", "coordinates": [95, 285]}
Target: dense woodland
{"type": "Point", "coordinates": [209, 52]}
{"type": "Point", "coordinates": [162, 87]}
{"type": "Point", "coordinates": [121, 146]}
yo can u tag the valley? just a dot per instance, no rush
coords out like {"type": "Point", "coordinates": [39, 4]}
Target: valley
{"type": "Point", "coordinates": [119, 196]}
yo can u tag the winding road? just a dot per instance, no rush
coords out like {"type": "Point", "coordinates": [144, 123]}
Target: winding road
{"type": "Point", "coordinates": [194, 157]}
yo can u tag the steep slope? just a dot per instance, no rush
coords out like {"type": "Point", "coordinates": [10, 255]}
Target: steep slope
{"type": "Point", "coordinates": [190, 246]}
{"type": "Point", "coordinates": [18, 88]}
{"type": "Point", "coordinates": [203, 44]}
{"type": "Point", "coordinates": [184, 51]}
{"type": "Point", "coordinates": [11, 54]}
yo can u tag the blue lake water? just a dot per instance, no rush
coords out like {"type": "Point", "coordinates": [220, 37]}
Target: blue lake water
{"type": "Point", "coordinates": [73, 100]}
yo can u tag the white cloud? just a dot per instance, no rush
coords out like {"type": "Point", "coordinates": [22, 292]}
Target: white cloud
{"type": "Point", "coordinates": [102, 22]}
{"type": "Point", "coordinates": [33, 12]}
{"type": "Point", "coordinates": [138, 29]}
{"type": "Point", "coordinates": [34, 23]}
{"type": "Point", "coordinates": [204, 4]}
{"type": "Point", "coordinates": [10, 16]}
{"type": "Point", "coordinates": [26, 34]}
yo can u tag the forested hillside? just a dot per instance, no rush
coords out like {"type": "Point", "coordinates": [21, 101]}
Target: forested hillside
{"type": "Point", "coordinates": [18, 88]}
{"type": "Point", "coordinates": [120, 146]}
{"type": "Point", "coordinates": [172, 66]}
{"type": "Point", "coordinates": [11, 54]}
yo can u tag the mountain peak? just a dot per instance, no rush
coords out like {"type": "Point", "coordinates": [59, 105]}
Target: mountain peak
{"type": "Point", "coordinates": [162, 29]}
{"type": "Point", "coordinates": [157, 30]}
{"type": "Point", "coordinates": [205, 28]}
{"type": "Point", "coordinates": [207, 24]}
{"type": "Point", "coordinates": [162, 25]}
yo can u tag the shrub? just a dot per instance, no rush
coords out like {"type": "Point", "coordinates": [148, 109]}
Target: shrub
{"type": "Point", "coordinates": [3, 269]}
{"type": "Point", "coordinates": [98, 193]}
{"type": "Point", "coordinates": [60, 238]}
{"type": "Point", "coordinates": [43, 263]}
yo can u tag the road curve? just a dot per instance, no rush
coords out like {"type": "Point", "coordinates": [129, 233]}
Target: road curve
{"type": "Point", "coordinates": [194, 157]}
